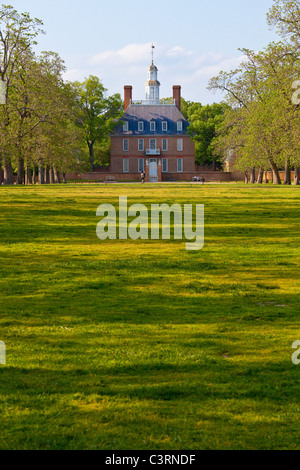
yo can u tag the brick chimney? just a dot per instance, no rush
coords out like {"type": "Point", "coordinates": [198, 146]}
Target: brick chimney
{"type": "Point", "coordinates": [127, 96]}
{"type": "Point", "coordinates": [177, 96]}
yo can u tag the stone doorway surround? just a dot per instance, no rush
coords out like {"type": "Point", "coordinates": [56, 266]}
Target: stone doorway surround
{"type": "Point", "coordinates": [150, 178]}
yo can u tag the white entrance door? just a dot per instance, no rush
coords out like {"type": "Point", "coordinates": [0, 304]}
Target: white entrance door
{"type": "Point", "coordinates": [153, 176]}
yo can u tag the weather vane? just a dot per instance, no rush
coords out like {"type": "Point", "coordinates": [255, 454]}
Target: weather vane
{"type": "Point", "coordinates": [152, 52]}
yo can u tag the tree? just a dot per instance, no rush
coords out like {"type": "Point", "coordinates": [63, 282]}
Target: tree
{"type": "Point", "coordinates": [95, 113]}
{"type": "Point", "coordinates": [37, 128]}
{"type": "Point", "coordinates": [39, 115]}
{"type": "Point", "coordinates": [204, 122]}
{"type": "Point", "coordinates": [285, 17]}
{"type": "Point", "coordinates": [264, 120]}
{"type": "Point", "coordinates": [17, 36]}
{"type": "Point", "coordinates": [184, 105]}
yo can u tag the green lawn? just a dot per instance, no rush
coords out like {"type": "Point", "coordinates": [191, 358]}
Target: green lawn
{"type": "Point", "coordinates": [141, 344]}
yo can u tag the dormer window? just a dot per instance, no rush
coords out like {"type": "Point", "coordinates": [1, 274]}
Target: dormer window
{"type": "Point", "coordinates": [141, 126]}
{"type": "Point", "coordinates": [165, 126]}
{"type": "Point", "coordinates": [179, 126]}
{"type": "Point", "coordinates": [125, 127]}
{"type": "Point", "coordinates": [152, 126]}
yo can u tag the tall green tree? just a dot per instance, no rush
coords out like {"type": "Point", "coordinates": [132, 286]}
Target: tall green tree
{"type": "Point", "coordinates": [39, 112]}
{"type": "Point", "coordinates": [95, 112]}
{"type": "Point", "coordinates": [204, 123]}
{"type": "Point", "coordinates": [263, 123]}
{"type": "Point", "coordinates": [284, 15]}
{"type": "Point", "coordinates": [18, 34]}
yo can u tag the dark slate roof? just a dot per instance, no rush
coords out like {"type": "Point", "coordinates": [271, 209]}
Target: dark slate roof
{"type": "Point", "coordinates": [148, 113]}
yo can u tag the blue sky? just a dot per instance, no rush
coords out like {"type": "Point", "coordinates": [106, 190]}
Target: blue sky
{"type": "Point", "coordinates": [111, 39]}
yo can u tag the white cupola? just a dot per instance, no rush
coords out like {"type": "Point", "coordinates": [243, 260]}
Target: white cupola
{"type": "Point", "coordinates": [152, 84]}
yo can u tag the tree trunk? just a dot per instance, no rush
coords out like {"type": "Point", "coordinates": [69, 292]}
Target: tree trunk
{"type": "Point", "coordinates": [34, 175]}
{"type": "Point", "coordinates": [276, 175]}
{"type": "Point", "coordinates": [287, 176]}
{"type": "Point", "coordinates": [266, 177]}
{"type": "Point", "coordinates": [246, 177]}
{"type": "Point", "coordinates": [91, 149]}
{"type": "Point", "coordinates": [64, 178]}
{"type": "Point", "coordinates": [56, 176]}
{"type": "Point", "coordinates": [41, 178]}
{"type": "Point", "coordinates": [297, 182]}
{"type": "Point", "coordinates": [51, 176]}
{"type": "Point", "coordinates": [20, 176]}
{"type": "Point", "coordinates": [260, 176]}
{"type": "Point", "coordinates": [28, 177]}
{"type": "Point", "coordinates": [252, 176]}
{"type": "Point", "coordinates": [47, 175]}
{"type": "Point", "coordinates": [7, 172]}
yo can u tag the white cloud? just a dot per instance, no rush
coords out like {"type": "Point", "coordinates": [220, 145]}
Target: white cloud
{"type": "Point", "coordinates": [210, 70]}
{"type": "Point", "coordinates": [179, 51]}
{"type": "Point", "coordinates": [177, 65]}
{"type": "Point", "coordinates": [73, 75]}
{"type": "Point", "coordinates": [130, 54]}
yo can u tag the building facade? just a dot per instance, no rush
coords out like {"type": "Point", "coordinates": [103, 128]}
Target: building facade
{"type": "Point", "coordinates": [152, 136]}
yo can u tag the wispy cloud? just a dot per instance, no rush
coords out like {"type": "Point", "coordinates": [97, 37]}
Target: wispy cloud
{"type": "Point", "coordinates": [177, 65]}
{"type": "Point", "coordinates": [130, 54]}
{"type": "Point", "coordinates": [179, 51]}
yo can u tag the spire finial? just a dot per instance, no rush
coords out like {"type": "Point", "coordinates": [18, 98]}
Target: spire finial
{"type": "Point", "coordinates": [152, 52]}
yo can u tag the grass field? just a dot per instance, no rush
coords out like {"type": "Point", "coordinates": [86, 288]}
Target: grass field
{"type": "Point", "coordinates": [142, 344]}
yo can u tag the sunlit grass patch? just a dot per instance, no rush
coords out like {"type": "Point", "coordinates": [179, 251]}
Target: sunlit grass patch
{"type": "Point", "coordinates": [143, 345]}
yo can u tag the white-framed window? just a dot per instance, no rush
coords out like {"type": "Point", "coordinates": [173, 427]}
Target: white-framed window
{"type": "Point", "coordinates": [141, 145]}
{"type": "Point", "coordinates": [141, 167]}
{"type": "Point", "coordinates": [165, 126]}
{"type": "Point", "coordinates": [152, 144]}
{"type": "Point", "coordinates": [179, 145]}
{"type": "Point", "coordinates": [141, 126]}
{"type": "Point", "coordinates": [152, 126]}
{"type": "Point", "coordinates": [165, 165]}
{"type": "Point", "coordinates": [126, 127]}
{"type": "Point", "coordinates": [125, 165]}
{"type": "Point", "coordinates": [180, 165]}
{"type": "Point", "coordinates": [165, 145]}
{"type": "Point", "coordinates": [125, 145]}
{"type": "Point", "coordinates": [179, 126]}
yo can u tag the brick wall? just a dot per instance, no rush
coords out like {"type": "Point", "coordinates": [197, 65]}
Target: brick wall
{"type": "Point", "coordinates": [117, 153]}
{"type": "Point", "coordinates": [101, 177]}
{"type": "Point", "coordinates": [216, 176]}
{"type": "Point", "coordinates": [177, 96]}
{"type": "Point", "coordinates": [117, 145]}
{"type": "Point", "coordinates": [282, 176]}
{"type": "Point", "coordinates": [237, 175]}
{"type": "Point", "coordinates": [127, 96]}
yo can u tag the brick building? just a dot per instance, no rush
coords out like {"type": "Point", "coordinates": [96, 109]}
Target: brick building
{"type": "Point", "coordinates": [152, 136]}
